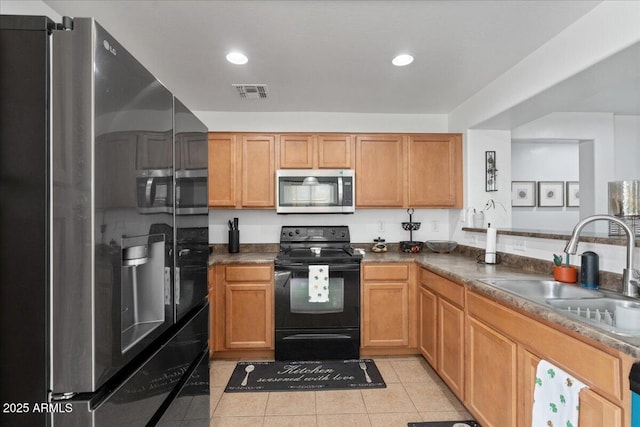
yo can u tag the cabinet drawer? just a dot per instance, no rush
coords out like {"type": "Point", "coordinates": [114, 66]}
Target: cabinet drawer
{"type": "Point", "coordinates": [248, 273]}
{"type": "Point", "coordinates": [385, 272]}
{"type": "Point", "coordinates": [599, 370]}
{"type": "Point", "coordinates": [444, 287]}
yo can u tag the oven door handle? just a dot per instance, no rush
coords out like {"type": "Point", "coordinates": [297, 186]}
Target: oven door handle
{"type": "Point", "coordinates": [305, 267]}
{"type": "Point", "coordinates": [317, 337]}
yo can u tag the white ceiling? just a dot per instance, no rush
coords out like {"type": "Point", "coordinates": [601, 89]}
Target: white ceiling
{"type": "Point", "coordinates": [330, 56]}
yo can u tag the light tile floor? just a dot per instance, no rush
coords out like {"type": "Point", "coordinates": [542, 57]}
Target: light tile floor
{"type": "Point", "coordinates": [414, 393]}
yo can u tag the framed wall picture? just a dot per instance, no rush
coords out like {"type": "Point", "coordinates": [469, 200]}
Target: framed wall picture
{"type": "Point", "coordinates": [573, 194]}
{"type": "Point", "coordinates": [550, 193]}
{"type": "Point", "coordinates": [523, 193]}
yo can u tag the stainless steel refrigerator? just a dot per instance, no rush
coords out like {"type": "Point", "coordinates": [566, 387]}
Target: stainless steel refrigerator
{"type": "Point", "coordinates": [104, 235]}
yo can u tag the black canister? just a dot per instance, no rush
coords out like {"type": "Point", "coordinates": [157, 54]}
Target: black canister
{"type": "Point", "coordinates": [234, 241]}
{"type": "Point", "coordinates": [590, 270]}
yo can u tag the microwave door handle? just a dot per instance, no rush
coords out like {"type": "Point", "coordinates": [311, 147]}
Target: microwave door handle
{"type": "Point", "coordinates": [149, 192]}
{"type": "Point", "coordinates": [340, 191]}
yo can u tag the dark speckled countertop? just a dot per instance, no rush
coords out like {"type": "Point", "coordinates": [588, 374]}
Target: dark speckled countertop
{"type": "Point", "coordinates": [464, 269]}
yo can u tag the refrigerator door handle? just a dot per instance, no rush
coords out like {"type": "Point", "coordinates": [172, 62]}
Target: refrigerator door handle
{"type": "Point", "coordinates": [167, 286]}
{"type": "Point", "coordinates": [177, 289]}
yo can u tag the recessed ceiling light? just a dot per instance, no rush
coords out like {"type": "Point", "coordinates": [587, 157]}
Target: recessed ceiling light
{"type": "Point", "coordinates": [402, 60]}
{"type": "Point", "coordinates": [237, 58]}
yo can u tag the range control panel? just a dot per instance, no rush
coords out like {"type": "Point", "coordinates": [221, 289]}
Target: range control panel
{"type": "Point", "coordinates": [321, 233]}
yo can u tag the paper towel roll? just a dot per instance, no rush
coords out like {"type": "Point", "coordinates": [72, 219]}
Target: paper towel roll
{"type": "Point", "coordinates": [490, 251]}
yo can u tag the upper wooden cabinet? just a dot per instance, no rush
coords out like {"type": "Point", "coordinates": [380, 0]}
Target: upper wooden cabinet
{"type": "Point", "coordinates": [241, 170]}
{"type": "Point", "coordinates": [315, 151]}
{"type": "Point", "coordinates": [413, 170]}
{"type": "Point", "coordinates": [296, 151]}
{"type": "Point", "coordinates": [435, 170]}
{"type": "Point", "coordinates": [380, 171]}
{"type": "Point", "coordinates": [335, 151]}
{"type": "Point", "coordinates": [258, 171]}
{"type": "Point", "coordinates": [223, 168]}
{"type": "Point", "coordinates": [392, 170]}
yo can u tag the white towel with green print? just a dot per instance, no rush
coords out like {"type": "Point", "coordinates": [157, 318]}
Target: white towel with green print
{"type": "Point", "coordinates": [318, 283]}
{"type": "Point", "coordinates": [556, 397]}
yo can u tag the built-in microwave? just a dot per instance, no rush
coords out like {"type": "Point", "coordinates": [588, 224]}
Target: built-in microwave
{"type": "Point", "coordinates": [192, 195]}
{"type": "Point", "coordinates": [315, 191]}
{"type": "Point", "coordinates": [154, 190]}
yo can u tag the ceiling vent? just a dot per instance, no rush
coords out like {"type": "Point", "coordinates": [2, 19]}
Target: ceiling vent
{"type": "Point", "coordinates": [252, 91]}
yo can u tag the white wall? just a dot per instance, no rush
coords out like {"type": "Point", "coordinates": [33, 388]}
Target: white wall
{"type": "Point", "coordinates": [607, 29]}
{"type": "Point", "coordinates": [263, 226]}
{"type": "Point", "coordinates": [596, 127]}
{"type": "Point", "coordinates": [603, 31]}
{"type": "Point", "coordinates": [322, 122]}
{"type": "Point", "coordinates": [28, 7]}
{"type": "Point", "coordinates": [627, 147]}
{"type": "Point", "coordinates": [476, 143]}
{"type": "Point", "coordinates": [545, 161]}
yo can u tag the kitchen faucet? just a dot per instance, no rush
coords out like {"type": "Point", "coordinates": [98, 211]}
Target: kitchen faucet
{"type": "Point", "coordinates": [630, 275]}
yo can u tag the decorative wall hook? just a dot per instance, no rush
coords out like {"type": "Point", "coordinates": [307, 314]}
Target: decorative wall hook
{"type": "Point", "coordinates": [491, 171]}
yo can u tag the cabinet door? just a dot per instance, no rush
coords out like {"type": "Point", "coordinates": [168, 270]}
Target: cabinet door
{"type": "Point", "coordinates": [223, 177]}
{"type": "Point", "coordinates": [435, 170]}
{"type": "Point", "coordinates": [491, 376]}
{"type": "Point", "coordinates": [380, 171]}
{"type": "Point", "coordinates": [529, 365]}
{"type": "Point", "coordinates": [154, 150]}
{"type": "Point", "coordinates": [451, 346]}
{"type": "Point", "coordinates": [596, 411]}
{"type": "Point", "coordinates": [249, 316]}
{"type": "Point", "coordinates": [258, 171]}
{"type": "Point", "coordinates": [190, 152]}
{"type": "Point", "coordinates": [385, 315]}
{"type": "Point", "coordinates": [296, 151]}
{"type": "Point", "coordinates": [335, 151]}
{"type": "Point", "coordinates": [428, 315]}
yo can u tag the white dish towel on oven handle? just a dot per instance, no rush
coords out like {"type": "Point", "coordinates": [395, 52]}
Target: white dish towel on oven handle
{"type": "Point", "coordinates": [318, 283]}
{"type": "Point", "coordinates": [556, 397]}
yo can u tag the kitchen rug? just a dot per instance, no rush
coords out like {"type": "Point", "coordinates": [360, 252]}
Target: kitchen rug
{"type": "Point", "coordinates": [468, 423]}
{"type": "Point", "coordinates": [305, 375]}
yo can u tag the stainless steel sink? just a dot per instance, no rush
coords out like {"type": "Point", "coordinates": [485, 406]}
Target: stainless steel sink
{"type": "Point", "coordinates": [599, 312]}
{"type": "Point", "coordinates": [542, 290]}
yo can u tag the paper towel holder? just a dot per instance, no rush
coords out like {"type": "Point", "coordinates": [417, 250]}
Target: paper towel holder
{"type": "Point", "coordinates": [486, 257]}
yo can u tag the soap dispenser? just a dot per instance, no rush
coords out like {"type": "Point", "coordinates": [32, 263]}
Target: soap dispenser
{"type": "Point", "coordinates": [590, 270]}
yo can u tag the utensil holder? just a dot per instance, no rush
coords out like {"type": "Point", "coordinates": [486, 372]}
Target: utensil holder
{"type": "Point", "coordinates": [234, 241]}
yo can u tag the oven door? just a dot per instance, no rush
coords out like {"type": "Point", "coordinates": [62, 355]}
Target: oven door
{"type": "Point", "coordinates": [293, 309]}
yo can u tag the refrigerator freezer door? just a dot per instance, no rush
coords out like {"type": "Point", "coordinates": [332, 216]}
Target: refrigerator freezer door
{"type": "Point", "coordinates": [110, 118]}
{"type": "Point", "coordinates": [146, 393]}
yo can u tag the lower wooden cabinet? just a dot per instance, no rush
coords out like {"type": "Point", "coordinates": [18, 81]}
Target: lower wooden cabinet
{"type": "Point", "coordinates": [451, 346]}
{"type": "Point", "coordinates": [441, 338]}
{"type": "Point", "coordinates": [388, 314]}
{"type": "Point", "coordinates": [243, 313]}
{"type": "Point", "coordinates": [491, 376]}
{"type": "Point", "coordinates": [503, 351]}
{"type": "Point", "coordinates": [428, 325]}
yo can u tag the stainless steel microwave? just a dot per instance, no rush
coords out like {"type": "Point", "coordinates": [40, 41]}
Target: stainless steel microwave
{"type": "Point", "coordinates": [315, 191]}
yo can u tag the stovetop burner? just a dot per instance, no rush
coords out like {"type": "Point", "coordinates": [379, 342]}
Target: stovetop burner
{"type": "Point", "coordinates": [316, 244]}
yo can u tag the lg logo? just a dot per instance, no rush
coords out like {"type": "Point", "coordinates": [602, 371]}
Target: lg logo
{"type": "Point", "coordinates": [110, 48]}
